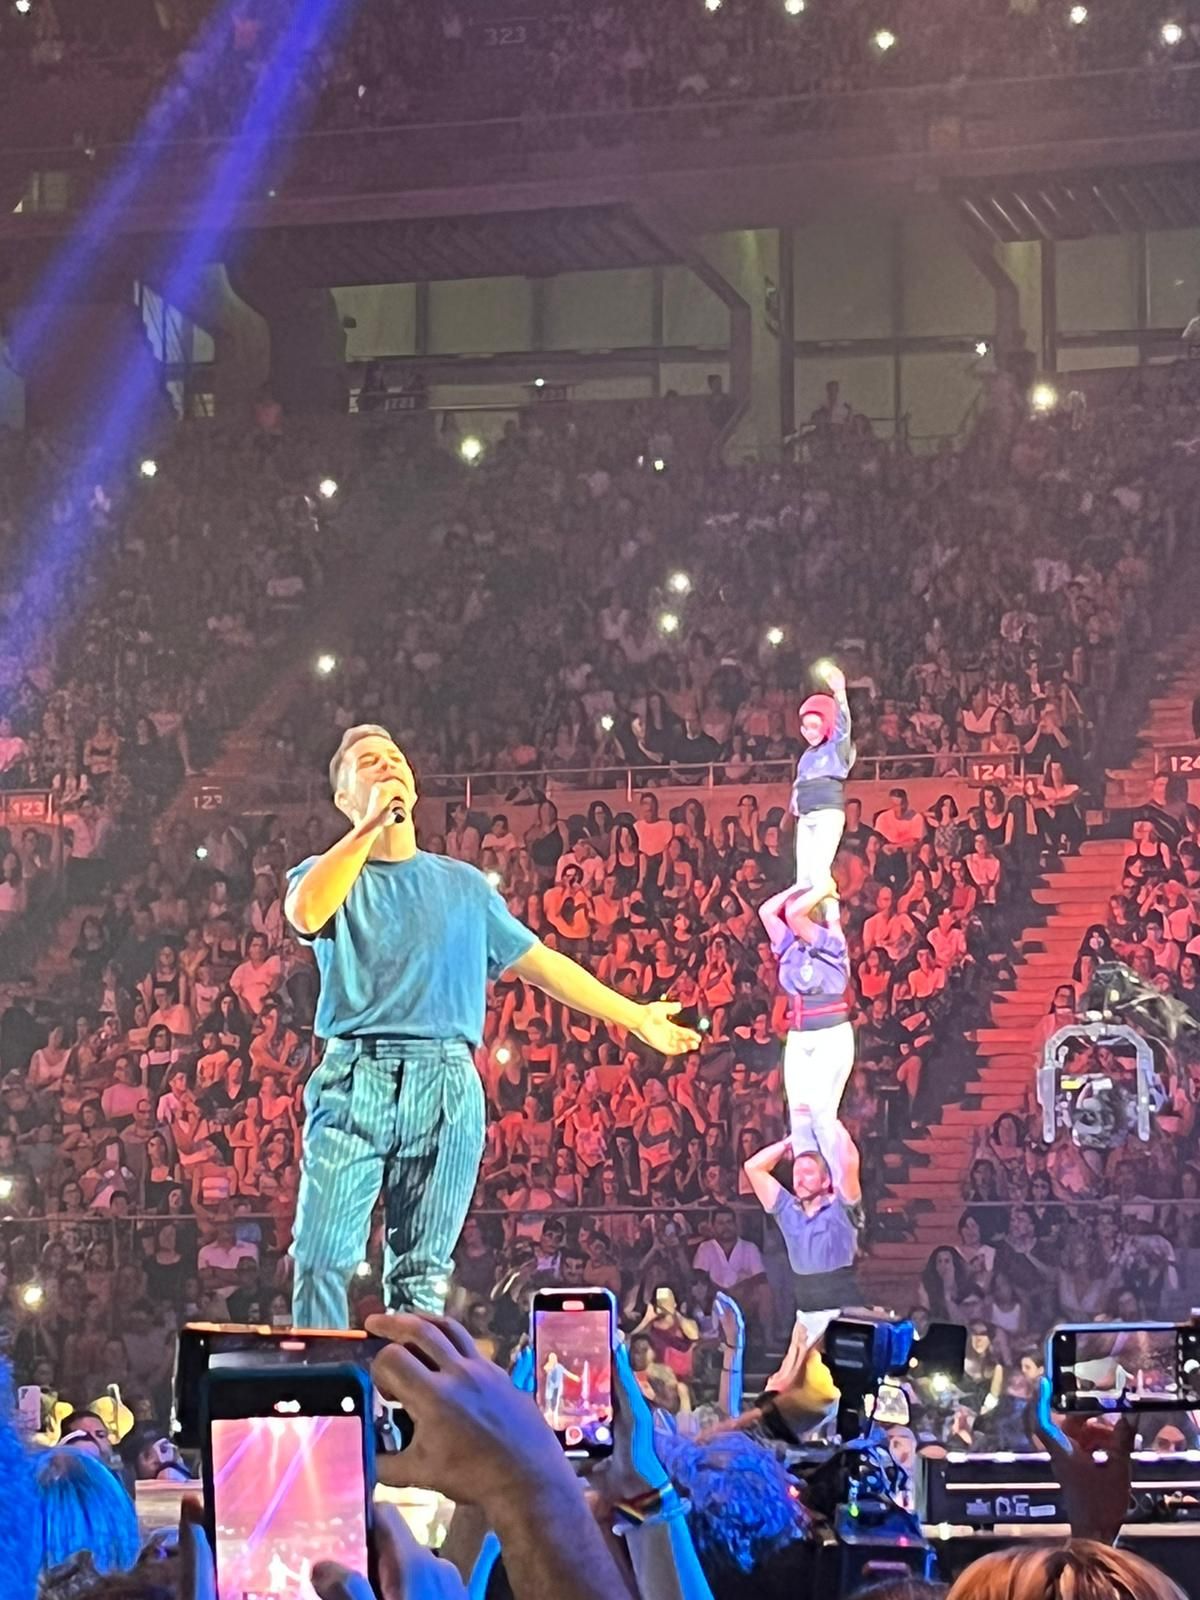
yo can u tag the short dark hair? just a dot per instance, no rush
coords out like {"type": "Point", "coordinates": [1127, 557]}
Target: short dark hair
{"type": "Point", "coordinates": [898, 794]}
{"type": "Point", "coordinates": [361, 730]}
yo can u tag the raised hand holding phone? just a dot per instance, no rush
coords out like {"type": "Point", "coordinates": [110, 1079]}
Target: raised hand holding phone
{"type": "Point", "coordinates": [479, 1441]}
{"type": "Point", "coordinates": [634, 1469]}
{"type": "Point", "coordinates": [1092, 1464]}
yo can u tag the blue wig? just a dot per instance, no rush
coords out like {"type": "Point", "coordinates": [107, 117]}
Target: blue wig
{"type": "Point", "coordinates": [81, 1506]}
{"type": "Point", "coordinates": [744, 1508]}
{"type": "Point", "coordinates": [18, 1552]}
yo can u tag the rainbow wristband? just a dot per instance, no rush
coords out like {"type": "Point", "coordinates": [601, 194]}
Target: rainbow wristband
{"type": "Point", "coordinates": [654, 1505]}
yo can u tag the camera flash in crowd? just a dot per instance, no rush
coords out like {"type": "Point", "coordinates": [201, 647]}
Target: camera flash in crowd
{"type": "Point", "coordinates": [1077, 16]}
{"type": "Point", "coordinates": [362, 1270]}
{"type": "Point", "coordinates": [201, 852]}
{"type": "Point", "coordinates": [659, 464]}
{"type": "Point", "coordinates": [793, 7]}
{"type": "Point", "coordinates": [503, 1055]}
{"type": "Point", "coordinates": [149, 467]}
{"type": "Point", "coordinates": [713, 5]}
{"type": "Point", "coordinates": [326, 664]}
{"type": "Point", "coordinates": [679, 583]}
{"type": "Point", "coordinates": [822, 669]}
{"type": "Point", "coordinates": [1044, 397]}
{"type": "Point", "coordinates": [23, 6]}
{"type": "Point", "coordinates": [668, 622]}
{"type": "Point", "coordinates": [775, 636]}
{"type": "Point", "coordinates": [884, 40]}
{"type": "Point", "coordinates": [539, 383]}
{"type": "Point", "coordinates": [1171, 33]}
{"type": "Point", "coordinates": [32, 1296]}
{"type": "Point", "coordinates": [471, 449]}
{"type": "Point", "coordinates": [494, 878]}
{"type": "Point", "coordinates": [6, 1188]}
{"type": "Point", "coordinates": [606, 722]}
{"type": "Point", "coordinates": [982, 347]}
{"type": "Point", "coordinates": [327, 488]}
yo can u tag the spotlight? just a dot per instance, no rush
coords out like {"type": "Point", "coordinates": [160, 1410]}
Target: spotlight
{"type": "Point", "coordinates": [668, 622]}
{"type": "Point", "coordinates": [793, 7]}
{"type": "Point", "coordinates": [659, 464]}
{"type": "Point", "coordinates": [149, 468]}
{"type": "Point", "coordinates": [471, 449]}
{"type": "Point", "coordinates": [1044, 397]}
{"type": "Point", "coordinates": [32, 1296]}
{"type": "Point", "coordinates": [326, 664]}
{"type": "Point", "coordinates": [1171, 33]}
{"type": "Point", "coordinates": [606, 722]}
{"type": "Point", "coordinates": [1077, 16]}
{"type": "Point", "coordinates": [884, 41]}
{"type": "Point", "coordinates": [327, 488]}
{"type": "Point", "coordinates": [679, 583]}
{"type": "Point", "coordinates": [201, 852]}
{"type": "Point", "coordinates": [494, 878]}
{"type": "Point", "coordinates": [774, 636]}
{"type": "Point", "coordinates": [503, 1055]}
{"type": "Point", "coordinates": [982, 347]}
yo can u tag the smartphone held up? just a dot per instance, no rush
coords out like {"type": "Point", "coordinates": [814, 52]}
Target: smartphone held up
{"type": "Point", "coordinates": [288, 1460]}
{"type": "Point", "coordinates": [573, 1333]}
{"type": "Point", "coordinates": [1099, 1368]}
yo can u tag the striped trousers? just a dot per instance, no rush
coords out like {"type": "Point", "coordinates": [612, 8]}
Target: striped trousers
{"type": "Point", "coordinates": [405, 1117]}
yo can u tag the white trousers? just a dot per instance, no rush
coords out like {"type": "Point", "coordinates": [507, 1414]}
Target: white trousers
{"type": "Point", "coordinates": [818, 834]}
{"type": "Point", "coordinates": [816, 1068]}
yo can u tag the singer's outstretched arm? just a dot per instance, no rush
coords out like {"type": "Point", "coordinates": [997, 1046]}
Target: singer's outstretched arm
{"type": "Point", "coordinates": [566, 981]}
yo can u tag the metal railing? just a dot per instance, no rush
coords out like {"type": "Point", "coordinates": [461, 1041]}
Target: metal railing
{"type": "Point", "coordinates": [527, 787]}
{"type": "Point", "coordinates": [893, 119]}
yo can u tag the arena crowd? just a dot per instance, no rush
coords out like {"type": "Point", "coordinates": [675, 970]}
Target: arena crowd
{"type": "Point", "coordinates": [153, 1085]}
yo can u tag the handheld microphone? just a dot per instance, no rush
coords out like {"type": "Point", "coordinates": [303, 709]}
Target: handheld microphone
{"type": "Point", "coordinates": [399, 811]}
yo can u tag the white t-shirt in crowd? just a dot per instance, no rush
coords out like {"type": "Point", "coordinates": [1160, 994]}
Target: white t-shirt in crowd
{"type": "Point", "coordinates": [225, 1257]}
{"type": "Point", "coordinates": [726, 1271]}
{"type": "Point", "coordinates": [253, 984]}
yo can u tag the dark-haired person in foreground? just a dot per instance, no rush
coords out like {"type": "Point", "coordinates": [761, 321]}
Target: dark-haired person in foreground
{"type": "Point", "coordinates": [405, 943]}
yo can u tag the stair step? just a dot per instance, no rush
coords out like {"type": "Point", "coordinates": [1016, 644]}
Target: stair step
{"type": "Point", "coordinates": [1074, 893]}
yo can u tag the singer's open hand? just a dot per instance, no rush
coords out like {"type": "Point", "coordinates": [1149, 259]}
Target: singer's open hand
{"type": "Point", "coordinates": [384, 799]}
{"type": "Point", "coordinates": [656, 1028]}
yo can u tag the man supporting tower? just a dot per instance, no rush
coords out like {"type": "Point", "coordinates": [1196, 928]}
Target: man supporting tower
{"type": "Point", "coordinates": [405, 942]}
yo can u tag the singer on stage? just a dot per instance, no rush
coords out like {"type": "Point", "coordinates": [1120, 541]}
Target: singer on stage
{"type": "Point", "coordinates": [405, 943]}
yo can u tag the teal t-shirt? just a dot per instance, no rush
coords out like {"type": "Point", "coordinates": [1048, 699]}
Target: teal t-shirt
{"type": "Point", "coordinates": [410, 951]}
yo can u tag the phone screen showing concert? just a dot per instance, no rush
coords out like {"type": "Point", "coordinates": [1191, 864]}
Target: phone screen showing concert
{"type": "Point", "coordinates": [573, 1351]}
{"type": "Point", "coordinates": [288, 1492]}
{"type": "Point", "coordinates": [1124, 1369]}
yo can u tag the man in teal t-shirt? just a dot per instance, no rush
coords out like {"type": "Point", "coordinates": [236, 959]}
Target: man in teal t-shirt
{"type": "Point", "coordinates": [405, 943]}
